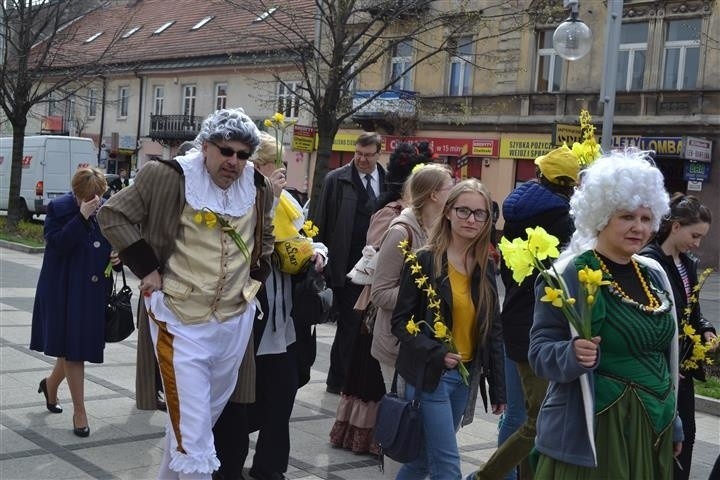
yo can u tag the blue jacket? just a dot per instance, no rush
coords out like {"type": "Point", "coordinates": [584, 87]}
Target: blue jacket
{"type": "Point", "coordinates": [565, 424]}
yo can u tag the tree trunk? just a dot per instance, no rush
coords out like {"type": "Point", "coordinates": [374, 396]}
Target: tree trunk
{"type": "Point", "coordinates": [326, 136]}
{"type": "Point", "coordinates": [16, 206]}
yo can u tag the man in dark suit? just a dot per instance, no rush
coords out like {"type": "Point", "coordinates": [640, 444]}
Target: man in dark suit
{"type": "Point", "coordinates": [348, 200]}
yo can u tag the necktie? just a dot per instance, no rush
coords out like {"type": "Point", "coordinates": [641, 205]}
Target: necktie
{"type": "Point", "coordinates": [368, 187]}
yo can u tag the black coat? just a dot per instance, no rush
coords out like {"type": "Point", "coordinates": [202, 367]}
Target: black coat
{"type": "Point", "coordinates": [423, 349]}
{"type": "Point", "coordinates": [530, 205]}
{"type": "Point", "coordinates": [697, 321]}
{"type": "Point", "coordinates": [334, 216]}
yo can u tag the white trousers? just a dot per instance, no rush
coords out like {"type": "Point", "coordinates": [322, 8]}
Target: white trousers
{"type": "Point", "coordinates": [199, 368]}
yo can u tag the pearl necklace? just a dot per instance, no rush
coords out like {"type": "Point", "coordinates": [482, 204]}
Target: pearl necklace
{"type": "Point", "coordinates": [654, 306]}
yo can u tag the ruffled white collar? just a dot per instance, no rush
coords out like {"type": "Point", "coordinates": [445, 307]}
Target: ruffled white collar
{"type": "Point", "coordinates": [201, 192]}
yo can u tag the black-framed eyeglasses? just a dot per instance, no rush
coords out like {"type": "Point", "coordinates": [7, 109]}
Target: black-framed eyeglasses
{"type": "Point", "coordinates": [366, 156]}
{"type": "Point", "coordinates": [229, 152]}
{"type": "Point", "coordinates": [463, 213]}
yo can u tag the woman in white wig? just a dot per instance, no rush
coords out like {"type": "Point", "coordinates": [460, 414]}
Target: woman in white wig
{"type": "Point", "coordinates": [610, 409]}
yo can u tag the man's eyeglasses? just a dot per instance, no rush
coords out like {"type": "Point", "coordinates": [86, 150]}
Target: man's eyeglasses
{"type": "Point", "coordinates": [463, 213]}
{"type": "Point", "coordinates": [365, 155]}
{"type": "Point", "coordinates": [229, 152]}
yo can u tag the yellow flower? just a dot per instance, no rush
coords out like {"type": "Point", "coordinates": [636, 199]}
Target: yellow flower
{"type": "Point", "coordinates": [553, 295]}
{"type": "Point", "coordinates": [410, 257]}
{"type": "Point", "coordinates": [415, 268]}
{"type": "Point", "coordinates": [591, 279]}
{"type": "Point", "coordinates": [412, 327]}
{"type": "Point", "coordinates": [688, 330]}
{"type": "Point", "coordinates": [517, 257]}
{"type": "Point", "coordinates": [310, 229]}
{"type": "Point", "coordinates": [421, 281]}
{"type": "Point", "coordinates": [542, 244]}
{"type": "Point", "coordinates": [268, 123]}
{"type": "Point", "coordinates": [437, 317]}
{"type": "Point", "coordinates": [279, 118]}
{"type": "Point", "coordinates": [198, 218]}
{"type": "Point", "coordinates": [210, 219]}
{"type": "Point", "coordinates": [570, 301]}
{"type": "Point", "coordinates": [430, 291]}
{"type": "Point", "coordinates": [403, 244]}
{"type": "Point", "coordinates": [441, 330]}
{"type": "Point", "coordinates": [434, 304]}
{"type": "Point", "coordinates": [590, 299]}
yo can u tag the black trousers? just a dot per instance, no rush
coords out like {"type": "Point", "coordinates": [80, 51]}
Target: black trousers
{"type": "Point", "coordinates": [277, 384]}
{"type": "Point", "coordinates": [348, 327]}
{"type": "Point", "coordinates": [231, 441]}
{"type": "Point", "coordinates": [686, 411]}
{"type": "Point", "coordinates": [275, 387]}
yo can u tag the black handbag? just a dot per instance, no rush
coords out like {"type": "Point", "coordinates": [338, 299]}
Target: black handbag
{"type": "Point", "coordinates": [398, 425]}
{"type": "Point", "coordinates": [119, 322]}
{"type": "Point", "coordinates": [312, 299]}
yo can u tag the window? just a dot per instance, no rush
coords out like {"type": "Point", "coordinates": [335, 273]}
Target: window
{"type": "Point", "coordinates": [189, 97]}
{"type": "Point", "coordinates": [632, 56]}
{"type": "Point", "coordinates": [163, 27]}
{"type": "Point", "coordinates": [549, 64]}
{"type": "Point", "coordinates": [288, 99]}
{"type": "Point", "coordinates": [52, 105]}
{"type": "Point", "coordinates": [400, 62]}
{"type": "Point", "coordinates": [130, 32]}
{"type": "Point", "coordinates": [681, 59]}
{"type": "Point", "coordinates": [92, 102]}
{"type": "Point", "coordinates": [350, 60]}
{"type": "Point", "coordinates": [202, 22]}
{"type": "Point", "coordinates": [158, 99]}
{"type": "Point", "coordinates": [265, 14]}
{"type": "Point", "coordinates": [123, 101]}
{"type": "Point", "coordinates": [221, 96]}
{"type": "Point", "coordinates": [461, 50]}
{"type": "Point", "coordinates": [93, 37]}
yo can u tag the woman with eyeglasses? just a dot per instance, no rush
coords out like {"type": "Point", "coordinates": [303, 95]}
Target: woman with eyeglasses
{"type": "Point", "coordinates": [680, 232]}
{"type": "Point", "coordinates": [457, 266]}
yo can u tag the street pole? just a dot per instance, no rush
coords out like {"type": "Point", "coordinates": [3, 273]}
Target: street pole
{"type": "Point", "coordinates": [610, 63]}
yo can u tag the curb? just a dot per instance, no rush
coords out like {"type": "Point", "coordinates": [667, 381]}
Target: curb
{"type": "Point", "coordinates": [707, 405]}
{"type": "Point", "coordinates": [20, 247]}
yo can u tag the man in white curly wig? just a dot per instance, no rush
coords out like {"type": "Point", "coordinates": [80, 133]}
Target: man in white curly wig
{"type": "Point", "coordinates": [610, 408]}
{"type": "Point", "coordinates": [202, 252]}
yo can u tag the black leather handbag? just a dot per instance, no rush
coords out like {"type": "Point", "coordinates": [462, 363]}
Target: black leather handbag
{"type": "Point", "coordinates": [398, 425]}
{"type": "Point", "coordinates": [312, 299]}
{"type": "Point", "coordinates": [119, 321]}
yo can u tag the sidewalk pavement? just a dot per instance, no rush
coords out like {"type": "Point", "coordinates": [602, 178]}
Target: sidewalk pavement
{"type": "Point", "coordinates": [126, 443]}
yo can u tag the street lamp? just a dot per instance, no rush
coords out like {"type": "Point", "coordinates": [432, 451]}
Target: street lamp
{"type": "Point", "coordinates": [572, 38]}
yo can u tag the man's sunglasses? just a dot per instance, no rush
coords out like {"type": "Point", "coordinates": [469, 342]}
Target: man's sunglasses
{"type": "Point", "coordinates": [229, 152]}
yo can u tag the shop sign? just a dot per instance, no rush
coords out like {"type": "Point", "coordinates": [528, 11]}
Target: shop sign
{"type": "Point", "coordinates": [662, 146]}
{"type": "Point", "coordinates": [343, 142]}
{"type": "Point", "coordinates": [303, 138]}
{"type": "Point", "coordinates": [449, 147]}
{"type": "Point", "coordinates": [697, 149]}
{"type": "Point", "coordinates": [127, 142]}
{"type": "Point", "coordinates": [564, 133]}
{"type": "Point", "coordinates": [694, 186]}
{"type": "Point", "coordinates": [518, 145]}
{"type": "Point", "coordinates": [696, 171]}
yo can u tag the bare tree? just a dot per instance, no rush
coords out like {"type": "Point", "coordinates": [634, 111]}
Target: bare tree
{"type": "Point", "coordinates": [331, 42]}
{"type": "Point", "coordinates": [35, 66]}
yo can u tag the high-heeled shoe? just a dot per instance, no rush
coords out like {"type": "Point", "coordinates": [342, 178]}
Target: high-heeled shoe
{"type": "Point", "coordinates": [53, 407]}
{"type": "Point", "coordinates": [81, 431]}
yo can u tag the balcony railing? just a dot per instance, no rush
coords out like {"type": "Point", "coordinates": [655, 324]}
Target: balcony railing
{"type": "Point", "coordinates": [398, 102]}
{"type": "Point", "coordinates": [165, 128]}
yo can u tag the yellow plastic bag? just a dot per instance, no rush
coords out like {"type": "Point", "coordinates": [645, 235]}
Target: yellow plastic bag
{"type": "Point", "coordinates": [291, 255]}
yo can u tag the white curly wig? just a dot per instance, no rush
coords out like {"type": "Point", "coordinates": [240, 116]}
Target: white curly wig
{"type": "Point", "coordinates": [229, 124]}
{"type": "Point", "coordinates": [621, 180]}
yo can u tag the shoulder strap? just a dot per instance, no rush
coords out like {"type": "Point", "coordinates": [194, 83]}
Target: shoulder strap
{"type": "Point", "coordinates": [409, 233]}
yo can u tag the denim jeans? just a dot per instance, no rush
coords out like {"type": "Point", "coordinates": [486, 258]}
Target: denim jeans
{"type": "Point", "coordinates": [442, 411]}
{"type": "Point", "coordinates": [514, 415]}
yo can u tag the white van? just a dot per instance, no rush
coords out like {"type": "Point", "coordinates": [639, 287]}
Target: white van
{"type": "Point", "coordinates": [49, 162]}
